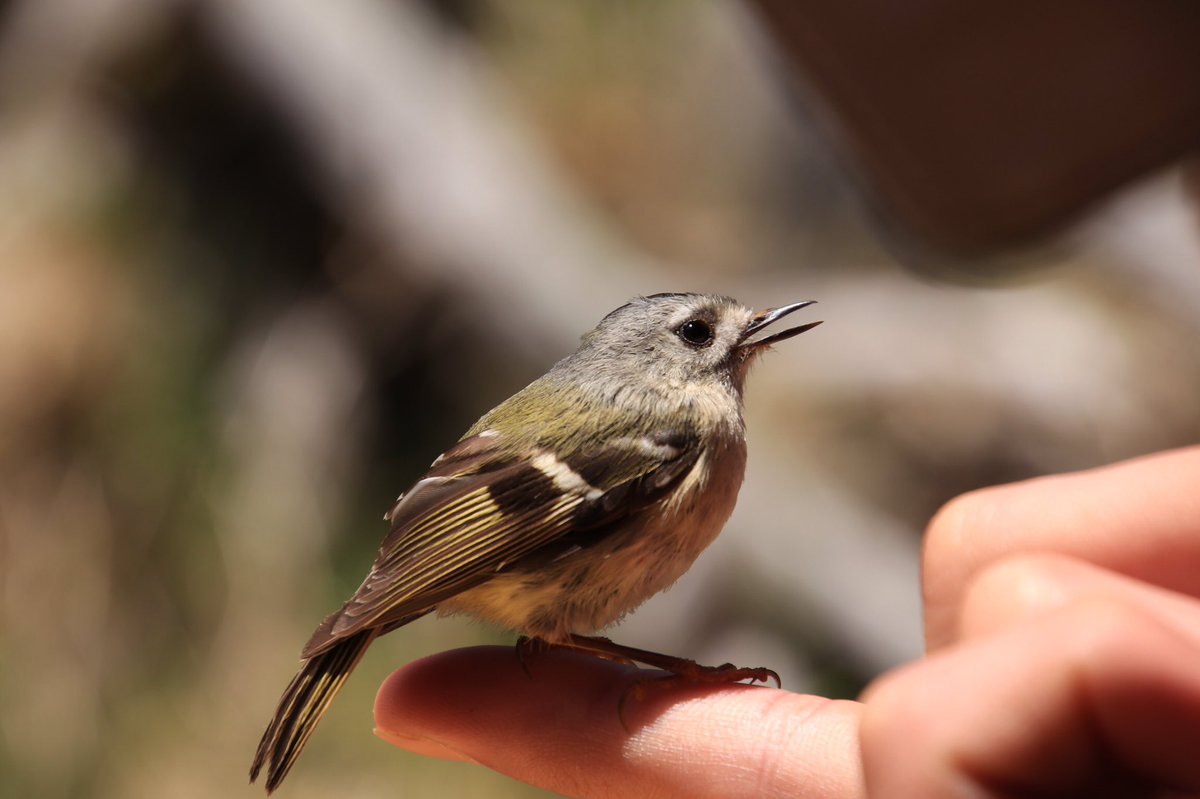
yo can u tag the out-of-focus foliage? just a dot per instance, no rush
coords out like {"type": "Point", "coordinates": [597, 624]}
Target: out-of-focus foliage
{"type": "Point", "coordinates": [261, 261]}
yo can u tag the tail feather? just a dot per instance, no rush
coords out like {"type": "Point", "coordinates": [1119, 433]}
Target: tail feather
{"type": "Point", "coordinates": [302, 705]}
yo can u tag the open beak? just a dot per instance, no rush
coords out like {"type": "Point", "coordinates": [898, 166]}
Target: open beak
{"type": "Point", "coordinates": [768, 317]}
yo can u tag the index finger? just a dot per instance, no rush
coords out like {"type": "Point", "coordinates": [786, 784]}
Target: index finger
{"type": "Point", "coordinates": [558, 727]}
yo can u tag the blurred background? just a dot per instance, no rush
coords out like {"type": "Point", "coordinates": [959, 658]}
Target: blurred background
{"type": "Point", "coordinates": [261, 261]}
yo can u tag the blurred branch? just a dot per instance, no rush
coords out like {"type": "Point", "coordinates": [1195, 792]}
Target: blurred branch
{"type": "Point", "coordinates": [420, 145]}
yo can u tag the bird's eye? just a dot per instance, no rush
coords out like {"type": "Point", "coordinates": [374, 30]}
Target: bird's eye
{"type": "Point", "coordinates": [696, 332]}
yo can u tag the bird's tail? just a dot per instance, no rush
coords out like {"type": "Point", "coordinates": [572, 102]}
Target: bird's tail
{"type": "Point", "coordinates": [302, 705]}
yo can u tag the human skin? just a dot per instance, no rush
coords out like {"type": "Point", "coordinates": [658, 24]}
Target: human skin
{"type": "Point", "coordinates": [1063, 635]}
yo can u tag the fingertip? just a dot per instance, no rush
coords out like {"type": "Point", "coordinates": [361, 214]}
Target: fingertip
{"type": "Point", "coordinates": [429, 688]}
{"type": "Point", "coordinates": [1020, 588]}
{"type": "Point", "coordinates": [1015, 588]}
{"type": "Point", "coordinates": [414, 701]}
{"type": "Point", "coordinates": [955, 536]}
{"type": "Point", "coordinates": [455, 695]}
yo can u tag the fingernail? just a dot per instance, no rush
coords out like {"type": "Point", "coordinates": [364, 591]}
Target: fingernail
{"type": "Point", "coordinates": [423, 746]}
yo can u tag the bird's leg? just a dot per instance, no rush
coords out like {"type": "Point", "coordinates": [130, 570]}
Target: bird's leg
{"type": "Point", "coordinates": [528, 646]}
{"type": "Point", "coordinates": [680, 671]}
{"type": "Point", "coordinates": [689, 670]}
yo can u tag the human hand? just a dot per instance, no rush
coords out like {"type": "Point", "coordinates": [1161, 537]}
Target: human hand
{"type": "Point", "coordinates": [1064, 633]}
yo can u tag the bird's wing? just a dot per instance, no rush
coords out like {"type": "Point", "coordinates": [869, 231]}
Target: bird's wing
{"type": "Point", "coordinates": [481, 508]}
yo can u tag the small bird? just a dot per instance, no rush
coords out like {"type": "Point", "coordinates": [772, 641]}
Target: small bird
{"type": "Point", "coordinates": [564, 507]}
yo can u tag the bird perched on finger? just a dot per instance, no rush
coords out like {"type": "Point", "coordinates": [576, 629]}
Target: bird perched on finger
{"type": "Point", "coordinates": [564, 507]}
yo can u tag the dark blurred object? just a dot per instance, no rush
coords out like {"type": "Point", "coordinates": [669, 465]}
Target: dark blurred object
{"type": "Point", "coordinates": [983, 125]}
